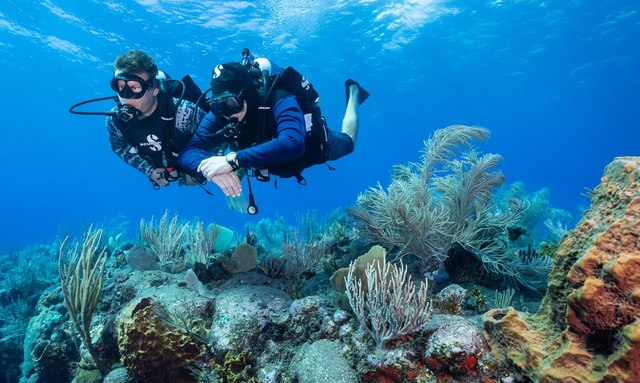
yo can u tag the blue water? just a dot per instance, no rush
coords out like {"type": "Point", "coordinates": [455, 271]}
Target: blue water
{"type": "Point", "coordinates": [556, 82]}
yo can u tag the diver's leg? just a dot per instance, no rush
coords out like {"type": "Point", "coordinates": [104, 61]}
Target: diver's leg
{"type": "Point", "coordinates": [350, 120]}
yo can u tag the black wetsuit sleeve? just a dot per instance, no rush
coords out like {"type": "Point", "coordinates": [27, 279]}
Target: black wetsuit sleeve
{"type": "Point", "coordinates": [124, 150]}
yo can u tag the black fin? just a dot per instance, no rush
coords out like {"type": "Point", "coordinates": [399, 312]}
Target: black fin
{"type": "Point", "coordinates": [364, 95]}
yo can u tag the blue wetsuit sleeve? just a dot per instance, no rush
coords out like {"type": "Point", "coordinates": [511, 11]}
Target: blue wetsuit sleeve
{"type": "Point", "coordinates": [202, 145]}
{"type": "Point", "coordinates": [287, 146]}
{"type": "Point", "coordinates": [124, 150]}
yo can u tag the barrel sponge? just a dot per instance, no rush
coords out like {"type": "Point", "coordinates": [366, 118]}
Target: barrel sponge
{"type": "Point", "coordinates": [152, 349]}
{"type": "Point", "coordinates": [588, 326]}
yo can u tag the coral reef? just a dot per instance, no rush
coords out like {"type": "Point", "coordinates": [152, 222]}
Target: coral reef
{"type": "Point", "coordinates": [588, 326]}
{"type": "Point", "coordinates": [443, 202]}
{"type": "Point", "coordinates": [283, 323]}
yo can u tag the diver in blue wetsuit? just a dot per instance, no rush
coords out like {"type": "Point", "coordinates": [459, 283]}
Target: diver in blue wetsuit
{"type": "Point", "coordinates": [271, 122]}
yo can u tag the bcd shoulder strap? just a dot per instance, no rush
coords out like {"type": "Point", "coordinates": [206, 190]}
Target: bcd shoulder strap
{"type": "Point", "coordinates": [291, 82]}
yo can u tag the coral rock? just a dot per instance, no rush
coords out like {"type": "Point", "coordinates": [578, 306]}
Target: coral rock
{"type": "Point", "coordinates": [588, 326]}
{"type": "Point", "coordinates": [322, 361]}
{"type": "Point", "coordinates": [450, 349]}
{"type": "Point", "coordinates": [244, 317]}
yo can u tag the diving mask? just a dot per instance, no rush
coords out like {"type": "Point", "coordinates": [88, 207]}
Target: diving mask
{"type": "Point", "coordinates": [226, 104]}
{"type": "Point", "coordinates": [129, 85]}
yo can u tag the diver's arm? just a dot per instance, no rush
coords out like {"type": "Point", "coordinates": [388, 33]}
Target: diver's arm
{"type": "Point", "coordinates": [124, 150]}
{"type": "Point", "coordinates": [202, 145]}
{"type": "Point", "coordinates": [289, 145]}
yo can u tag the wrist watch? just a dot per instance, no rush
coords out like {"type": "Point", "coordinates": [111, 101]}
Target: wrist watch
{"type": "Point", "coordinates": [231, 160]}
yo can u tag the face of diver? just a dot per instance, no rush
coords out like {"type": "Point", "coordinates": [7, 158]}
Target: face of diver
{"type": "Point", "coordinates": [241, 114]}
{"type": "Point", "coordinates": [146, 102]}
{"type": "Point", "coordinates": [229, 105]}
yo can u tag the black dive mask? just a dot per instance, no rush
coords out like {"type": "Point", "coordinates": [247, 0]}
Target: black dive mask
{"type": "Point", "coordinates": [129, 85]}
{"type": "Point", "coordinates": [127, 112]}
{"type": "Point", "coordinates": [226, 104]}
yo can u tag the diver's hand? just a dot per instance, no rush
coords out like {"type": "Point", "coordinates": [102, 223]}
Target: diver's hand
{"type": "Point", "coordinates": [213, 166]}
{"type": "Point", "coordinates": [229, 183]}
{"type": "Point", "coordinates": [157, 176]}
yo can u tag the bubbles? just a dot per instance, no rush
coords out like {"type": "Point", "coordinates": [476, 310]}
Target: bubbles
{"type": "Point", "coordinates": [291, 22]}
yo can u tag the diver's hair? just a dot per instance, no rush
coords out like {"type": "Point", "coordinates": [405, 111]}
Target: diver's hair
{"type": "Point", "coordinates": [136, 61]}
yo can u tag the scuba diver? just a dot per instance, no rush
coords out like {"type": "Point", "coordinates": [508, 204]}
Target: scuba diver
{"type": "Point", "coordinates": [149, 127]}
{"type": "Point", "coordinates": [270, 119]}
